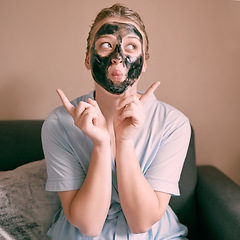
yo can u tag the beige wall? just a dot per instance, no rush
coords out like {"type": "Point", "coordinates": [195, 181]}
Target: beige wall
{"type": "Point", "coordinates": [195, 53]}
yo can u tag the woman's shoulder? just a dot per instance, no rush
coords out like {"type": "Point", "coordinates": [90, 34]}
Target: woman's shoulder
{"type": "Point", "coordinates": [164, 119]}
{"type": "Point", "coordinates": [164, 111]}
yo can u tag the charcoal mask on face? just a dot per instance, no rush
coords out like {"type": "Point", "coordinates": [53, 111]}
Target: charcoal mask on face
{"type": "Point", "coordinates": [100, 65]}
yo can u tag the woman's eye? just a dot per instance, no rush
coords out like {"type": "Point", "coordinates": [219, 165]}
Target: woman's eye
{"type": "Point", "coordinates": [106, 45]}
{"type": "Point", "coordinates": [131, 47]}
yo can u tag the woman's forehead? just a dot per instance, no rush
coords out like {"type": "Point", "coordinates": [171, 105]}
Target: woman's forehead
{"type": "Point", "coordinates": [119, 29]}
{"type": "Point", "coordinates": [110, 20]}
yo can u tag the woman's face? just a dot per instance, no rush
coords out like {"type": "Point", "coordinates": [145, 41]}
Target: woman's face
{"type": "Point", "coordinates": [116, 55]}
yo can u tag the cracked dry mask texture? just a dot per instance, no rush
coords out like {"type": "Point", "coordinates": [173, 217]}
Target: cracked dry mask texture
{"type": "Point", "coordinates": [100, 65]}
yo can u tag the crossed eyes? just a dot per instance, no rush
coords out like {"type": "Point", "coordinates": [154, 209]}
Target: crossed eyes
{"type": "Point", "coordinates": [107, 45]}
{"type": "Point", "coordinates": [129, 45]}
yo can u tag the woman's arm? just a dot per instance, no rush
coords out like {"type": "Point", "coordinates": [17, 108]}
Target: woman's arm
{"type": "Point", "coordinates": [87, 208]}
{"type": "Point", "coordinates": [141, 205]}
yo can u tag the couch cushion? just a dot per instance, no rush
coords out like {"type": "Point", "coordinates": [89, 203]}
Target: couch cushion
{"type": "Point", "coordinates": [26, 208]}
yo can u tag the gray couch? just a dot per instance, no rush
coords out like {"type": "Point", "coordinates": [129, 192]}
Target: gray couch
{"type": "Point", "coordinates": [209, 204]}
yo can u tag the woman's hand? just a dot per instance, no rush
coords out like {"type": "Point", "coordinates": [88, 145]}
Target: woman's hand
{"type": "Point", "coordinates": [130, 115]}
{"type": "Point", "coordinates": [88, 117]}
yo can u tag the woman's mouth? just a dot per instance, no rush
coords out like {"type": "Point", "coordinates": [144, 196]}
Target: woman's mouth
{"type": "Point", "coordinates": [117, 75]}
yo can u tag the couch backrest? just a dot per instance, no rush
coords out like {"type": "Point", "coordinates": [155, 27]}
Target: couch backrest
{"type": "Point", "coordinates": [20, 143]}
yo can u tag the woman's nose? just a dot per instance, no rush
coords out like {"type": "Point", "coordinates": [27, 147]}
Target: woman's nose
{"type": "Point", "coordinates": [117, 60]}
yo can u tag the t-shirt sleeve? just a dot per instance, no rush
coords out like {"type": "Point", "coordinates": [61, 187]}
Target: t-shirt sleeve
{"type": "Point", "coordinates": [64, 171]}
{"type": "Point", "coordinates": [165, 170]}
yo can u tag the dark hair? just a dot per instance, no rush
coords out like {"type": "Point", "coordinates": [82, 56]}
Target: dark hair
{"type": "Point", "coordinates": [121, 11]}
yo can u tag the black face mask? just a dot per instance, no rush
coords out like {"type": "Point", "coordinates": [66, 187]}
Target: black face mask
{"type": "Point", "coordinates": [100, 65]}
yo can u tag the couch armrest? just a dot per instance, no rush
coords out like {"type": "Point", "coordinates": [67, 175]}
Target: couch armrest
{"type": "Point", "coordinates": [218, 200]}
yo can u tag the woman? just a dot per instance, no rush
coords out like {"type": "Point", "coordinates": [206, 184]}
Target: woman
{"type": "Point", "coordinates": [114, 155]}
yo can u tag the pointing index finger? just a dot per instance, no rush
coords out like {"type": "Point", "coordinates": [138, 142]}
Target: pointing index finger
{"type": "Point", "coordinates": [69, 107]}
{"type": "Point", "coordinates": [144, 98]}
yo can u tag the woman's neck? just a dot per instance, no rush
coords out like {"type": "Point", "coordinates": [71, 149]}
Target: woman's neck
{"type": "Point", "coordinates": [108, 102]}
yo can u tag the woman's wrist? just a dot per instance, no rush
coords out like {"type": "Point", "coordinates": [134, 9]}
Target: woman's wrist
{"type": "Point", "coordinates": [103, 144]}
{"type": "Point", "coordinates": [102, 152]}
{"type": "Point", "coordinates": [104, 140]}
{"type": "Point", "coordinates": [123, 141]}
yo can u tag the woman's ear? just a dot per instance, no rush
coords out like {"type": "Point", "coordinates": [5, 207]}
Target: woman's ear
{"type": "Point", "coordinates": [144, 65]}
{"type": "Point", "coordinates": [87, 61]}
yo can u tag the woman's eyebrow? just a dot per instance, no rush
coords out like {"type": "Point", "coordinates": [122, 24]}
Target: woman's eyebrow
{"type": "Point", "coordinates": [133, 37]}
{"type": "Point", "coordinates": [109, 36]}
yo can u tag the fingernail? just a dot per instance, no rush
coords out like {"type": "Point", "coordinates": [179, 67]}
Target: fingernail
{"type": "Point", "coordinates": [58, 91]}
